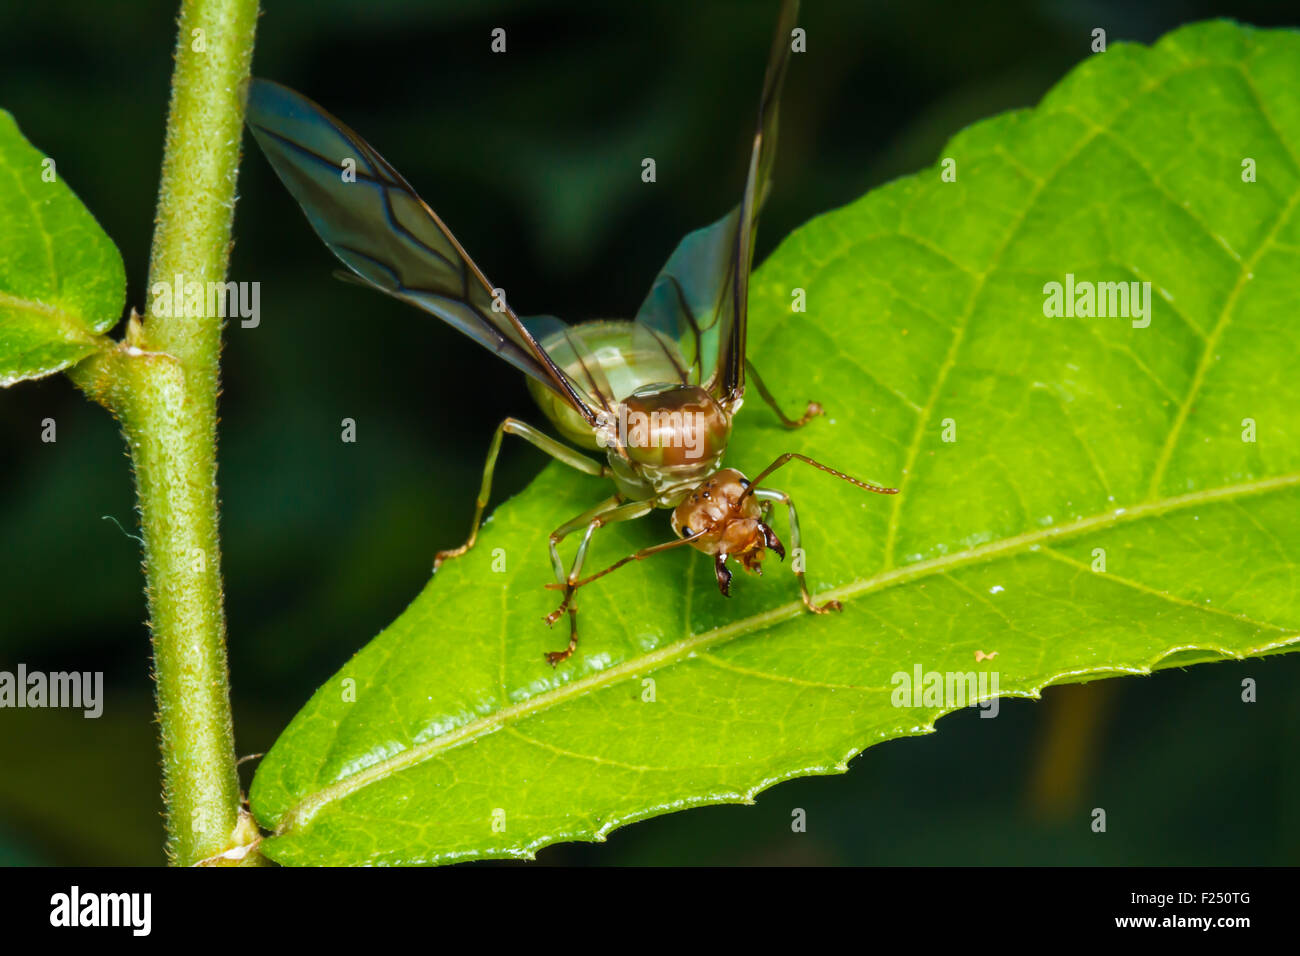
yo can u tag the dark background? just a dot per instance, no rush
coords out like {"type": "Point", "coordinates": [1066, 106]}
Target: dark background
{"type": "Point", "coordinates": [533, 159]}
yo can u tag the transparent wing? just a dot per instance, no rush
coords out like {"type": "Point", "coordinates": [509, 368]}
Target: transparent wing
{"type": "Point", "coordinates": [700, 298]}
{"type": "Point", "coordinates": [371, 218]}
{"type": "Point", "coordinates": [583, 368]}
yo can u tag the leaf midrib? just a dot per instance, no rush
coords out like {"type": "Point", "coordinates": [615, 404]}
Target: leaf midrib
{"type": "Point", "coordinates": [302, 812]}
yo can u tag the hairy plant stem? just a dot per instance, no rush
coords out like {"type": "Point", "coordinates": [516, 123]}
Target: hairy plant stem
{"type": "Point", "coordinates": [162, 383]}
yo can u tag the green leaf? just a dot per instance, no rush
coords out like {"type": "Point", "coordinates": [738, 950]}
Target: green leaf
{"type": "Point", "coordinates": [62, 283]}
{"type": "Point", "coordinates": [1078, 441]}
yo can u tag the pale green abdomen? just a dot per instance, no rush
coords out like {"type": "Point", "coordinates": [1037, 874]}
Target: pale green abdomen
{"type": "Point", "coordinates": [626, 358]}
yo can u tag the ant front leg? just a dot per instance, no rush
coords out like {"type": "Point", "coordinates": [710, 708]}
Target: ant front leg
{"type": "Point", "coordinates": [771, 494]}
{"type": "Point", "coordinates": [607, 512]}
{"type": "Point", "coordinates": [796, 543]}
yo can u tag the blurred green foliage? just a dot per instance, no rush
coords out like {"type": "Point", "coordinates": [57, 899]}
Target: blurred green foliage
{"type": "Point", "coordinates": [532, 158]}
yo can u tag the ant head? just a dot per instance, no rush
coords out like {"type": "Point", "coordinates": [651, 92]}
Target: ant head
{"type": "Point", "coordinates": [721, 519]}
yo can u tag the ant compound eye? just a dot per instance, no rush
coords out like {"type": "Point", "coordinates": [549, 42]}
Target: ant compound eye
{"type": "Point", "coordinates": [686, 530]}
{"type": "Point", "coordinates": [744, 482]}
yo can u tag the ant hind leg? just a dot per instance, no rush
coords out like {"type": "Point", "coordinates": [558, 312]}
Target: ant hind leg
{"type": "Point", "coordinates": [812, 411]}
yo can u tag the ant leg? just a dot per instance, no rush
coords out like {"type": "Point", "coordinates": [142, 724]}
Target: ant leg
{"type": "Point", "coordinates": [764, 494]}
{"type": "Point", "coordinates": [812, 411]}
{"type": "Point", "coordinates": [796, 543]}
{"type": "Point", "coordinates": [585, 520]}
{"type": "Point", "coordinates": [635, 556]}
{"type": "Point", "coordinates": [607, 512]}
{"type": "Point", "coordinates": [538, 439]}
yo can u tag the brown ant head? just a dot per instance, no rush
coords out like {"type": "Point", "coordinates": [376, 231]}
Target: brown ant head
{"type": "Point", "coordinates": [721, 519]}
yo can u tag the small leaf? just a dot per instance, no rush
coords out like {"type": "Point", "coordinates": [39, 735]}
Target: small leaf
{"type": "Point", "coordinates": [1081, 497]}
{"type": "Point", "coordinates": [62, 283]}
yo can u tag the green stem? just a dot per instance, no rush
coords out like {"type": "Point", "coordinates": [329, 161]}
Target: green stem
{"type": "Point", "coordinates": [162, 383]}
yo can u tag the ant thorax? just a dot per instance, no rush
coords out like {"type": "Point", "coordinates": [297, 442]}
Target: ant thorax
{"type": "Point", "coordinates": [666, 485]}
{"type": "Point", "coordinates": [663, 440]}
